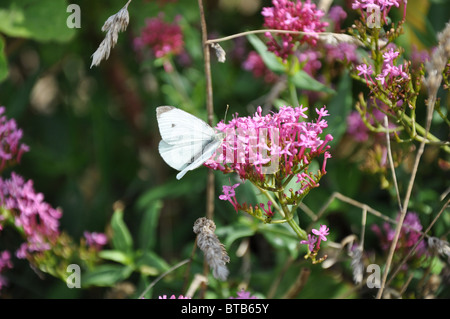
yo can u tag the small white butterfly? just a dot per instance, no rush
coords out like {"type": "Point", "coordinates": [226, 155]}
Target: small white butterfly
{"type": "Point", "coordinates": [187, 141]}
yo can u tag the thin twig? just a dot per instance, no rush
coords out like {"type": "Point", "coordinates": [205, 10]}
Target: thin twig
{"type": "Point", "coordinates": [210, 110]}
{"type": "Point", "coordinates": [324, 36]}
{"type": "Point", "coordinates": [391, 162]}
{"type": "Point", "coordinates": [413, 249]}
{"type": "Point", "coordinates": [430, 107]}
{"type": "Point", "coordinates": [181, 263]}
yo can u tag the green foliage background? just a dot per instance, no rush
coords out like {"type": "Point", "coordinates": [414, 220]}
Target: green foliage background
{"type": "Point", "coordinates": [93, 139]}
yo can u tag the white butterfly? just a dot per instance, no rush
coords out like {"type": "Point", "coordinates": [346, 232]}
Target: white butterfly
{"type": "Point", "coordinates": [187, 141]}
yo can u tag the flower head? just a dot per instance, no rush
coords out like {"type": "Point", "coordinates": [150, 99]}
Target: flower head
{"type": "Point", "coordinates": [96, 240]}
{"type": "Point", "coordinates": [162, 38]}
{"type": "Point", "coordinates": [11, 149]}
{"type": "Point", "coordinates": [322, 232]}
{"type": "Point", "coordinates": [294, 16]}
{"type": "Point", "coordinates": [174, 297]}
{"type": "Point", "coordinates": [243, 295]}
{"type": "Point", "coordinates": [39, 221]}
{"type": "Point", "coordinates": [311, 242]}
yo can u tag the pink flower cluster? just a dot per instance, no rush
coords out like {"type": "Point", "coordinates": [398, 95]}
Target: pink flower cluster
{"type": "Point", "coordinates": [11, 149]}
{"type": "Point", "coordinates": [409, 235]}
{"type": "Point", "coordinates": [37, 218]}
{"type": "Point", "coordinates": [174, 297]}
{"type": "Point", "coordinates": [95, 240]}
{"type": "Point", "coordinates": [313, 242]}
{"type": "Point", "coordinates": [243, 295]}
{"type": "Point", "coordinates": [162, 38]}
{"type": "Point", "coordinates": [293, 16]}
{"type": "Point", "coordinates": [290, 141]}
{"type": "Point", "coordinates": [391, 76]}
{"type": "Point", "coordinates": [384, 6]}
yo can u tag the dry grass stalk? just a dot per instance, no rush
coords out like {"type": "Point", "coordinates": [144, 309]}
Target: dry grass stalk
{"type": "Point", "coordinates": [214, 251]}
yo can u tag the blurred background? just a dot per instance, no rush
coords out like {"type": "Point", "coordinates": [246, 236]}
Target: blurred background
{"type": "Point", "coordinates": [93, 141]}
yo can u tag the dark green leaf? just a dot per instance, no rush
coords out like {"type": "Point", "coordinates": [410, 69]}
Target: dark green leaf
{"type": "Point", "coordinates": [269, 58]}
{"type": "Point", "coordinates": [339, 108]}
{"type": "Point", "coordinates": [42, 20]}
{"type": "Point", "coordinates": [116, 255]}
{"type": "Point", "coordinates": [121, 239]}
{"type": "Point", "coordinates": [3, 61]}
{"type": "Point", "coordinates": [304, 81]}
{"type": "Point", "coordinates": [105, 275]}
{"type": "Point", "coordinates": [147, 229]}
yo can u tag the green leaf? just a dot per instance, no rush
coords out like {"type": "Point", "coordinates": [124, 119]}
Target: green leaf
{"type": "Point", "coordinates": [42, 20]}
{"type": "Point", "coordinates": [106, 275]}
{"type": "Point", "coordinates": [147, 230]}
{"type": "Point", "coordinates": [116, 255]}
{"type": "Point", "coordinates": [339, 108]}
{"type": "Point", "coordinates": [269, 58]}
{"type": "Point", "coordinates": [304, 81]}
{"type": "Point", "coordinates": [151, 264]}
{"type": "Point", "coordinates": [3, 61]}
{"type": "Point", "coordinates": [121, 239]}
{"type": "Point", "coordinates": [280, 237]}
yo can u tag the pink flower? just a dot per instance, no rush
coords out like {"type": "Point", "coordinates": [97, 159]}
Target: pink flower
{"type": "Point", "coordinates": [409, 235]}
{"type": "Point", "coordinates": [294, 16]}
{"type": "Point", "coordinates": [5, 260]}
{"type": "Point", "coordinates": [322, 232]}
{"type": "Point", "coordinates": [243, 295]}
{"type": "Point", "coordinates": [162, 38]}
{"type": "Point", "coordinates": [230, 195]}
{"type": "Point", "coordinates": [11, 149]}
{"type": "Point", "coordinates": [96, 240]}
{"type": "Point", "coordinates": [174, 297]}
{"type": "Point", "coordinates": [39, 221]}
{"type": "Point", "coordinates": [310, 242]}
{"type": "Point", "coordinates": [290, 141]}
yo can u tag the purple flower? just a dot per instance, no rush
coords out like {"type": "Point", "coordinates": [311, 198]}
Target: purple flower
{"type": "Point", "coordinates": [310, 242]}
{"type": "Point", "coordinates": [294, 16]}
{"type": "Point", "coordinates": [290, 141]}
{"type": "Point", "coordinates": [322, 232]}
{"type": "Point", "coordinates": [11, 149]}
{"type": "Point", "coordinates": [409, 235]}
{"type": "Point", "coordinates": [39, 221]}
{"type": "Point", "coordinates": [174, 297]}
{"type": "Point", "coordinates": [230, 195]}
{"type": "Point", "coordinates": [243, 295]}
{"type": "Point", "coordinates": [96, 240]}
{"type": "Point", "coordinates": [163, 38]}
{"type": "Point", "coordinates": [5, 260]}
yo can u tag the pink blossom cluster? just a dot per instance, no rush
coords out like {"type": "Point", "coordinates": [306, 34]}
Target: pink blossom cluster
{"type": "Point", "coordinates": [242, 294]}
{"type": "Point", "coordinates": [163, 38]}
{"type": "Point", "coordinates": [391, 75]}
{"type": "Point", "coordinates": [384, 6]}
{"type": "Point", "coordinates": [283, 141]}
{"type": "Point", "coordinates": [174, 297]}
{"type": "Point", "coordinates": [293, 16]}
{"type": "Point", "coordinates": [313, 242]}
{"type": "Point", "coordinates": [37, 218]}
{"type": "Point", "coordinates": [409, 235]}
{"type": "Point", "coordinates": [95, 240]}
{"type": "Point", "coordinates": [11, 149]}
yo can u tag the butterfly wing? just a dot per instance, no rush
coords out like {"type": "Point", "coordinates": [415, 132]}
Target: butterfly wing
{"type": "Point", "coordinates": [187, 142]}
{"type": "Point", "coordinates": [177, 126]}
{"type": "Point", "coordinates": [207, 151]}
